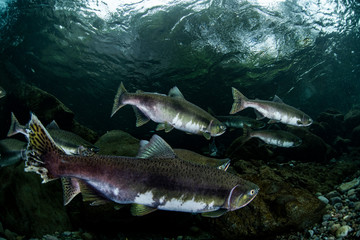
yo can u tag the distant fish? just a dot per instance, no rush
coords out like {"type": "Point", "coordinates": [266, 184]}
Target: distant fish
{"type": "Point", "coordinates": [155, 179]}
{"type": "Point", "coordinates": [68, 141]}
{"type": "Point", "coordinates": [277, 138]}
{"type": "Point", "coordinates": [275, 110]}
{"type": "Point", "coordinates": [213, 150]}
{"type": "Point", "coordinates": [2, 92]}
{"type": "Point", "coordinates": [171, 111]}
{"type": "Point", "coordinates": [11, 151]}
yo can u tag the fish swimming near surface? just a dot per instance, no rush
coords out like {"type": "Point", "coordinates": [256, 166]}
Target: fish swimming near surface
{"type": "Point", "coordinates": [155, 179]}
{"type": "Point", "coordinates": [67, 141]}
{"type": "Point", "coordinates": [11, 151]}
{"type": "Point", "coordinates": [2, 92]}
{"type": "Point", "coordinates": [277, 138]}
{"type": "Point", "coordinates": [170, 111]}
{"type": "Point", "coordinates": [275, 110]}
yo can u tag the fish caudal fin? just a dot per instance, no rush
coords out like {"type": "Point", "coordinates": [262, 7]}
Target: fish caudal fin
{"type": "Point", "coordinates": [16, 127]}
{"type": "Point", "coordinates": [117, 100]}
{"type": "Point", "coordinates": [239, 100]}
{"type": "Point", "coordinates": [42, 151]}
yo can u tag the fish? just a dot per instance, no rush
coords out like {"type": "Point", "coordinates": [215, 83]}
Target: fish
{"type": "Point", "coordinates": [12, 151]}
{"type": "Point", "coordinates": [156, 179]}
{"type": "Point", "coordinates": [277, 138]}
{"type": "Point", "coordinates": [68, 141]}
{"type": "Point", "coordinates": [238, 121]}
{"type": "Point", "coordinates": [2, 92]}
{"type": "Point", "coordinates": [275, 110]}
{"type": "Point", "coordinates": [170, 111]}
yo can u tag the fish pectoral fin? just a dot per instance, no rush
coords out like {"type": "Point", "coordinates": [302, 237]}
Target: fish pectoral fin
{"type": "Point", "coordinates": [141, 210]}
{"type": "Point", "coordinates": [157, 147]}
{"type": "Point", "coordinates": [71, 188]}
{"type": "Point", "coordinates": [91, 195]}
{"type": "Point", "coordinates": [214, 214]}
{"type": "Point", "coordinates": [175, 92]}
{"type": "Point", "coordinates": [206, 135]}
{"type": "Point", "coordinates": [141, 118]}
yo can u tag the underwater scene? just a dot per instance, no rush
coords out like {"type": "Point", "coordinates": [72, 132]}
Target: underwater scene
{"type": "Point", "coordinates": [179, 119]}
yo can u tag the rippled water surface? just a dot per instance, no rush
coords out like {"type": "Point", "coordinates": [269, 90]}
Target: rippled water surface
{"type": "Point", "coordinates": [307, 52]}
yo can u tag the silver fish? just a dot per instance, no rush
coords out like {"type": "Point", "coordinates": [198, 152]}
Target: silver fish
{"type": "Point", "coordinates": [277, 138]}
{"type": "Point", "coordinates": [171, 111]}
{"type": "Point", "coordinates": [155, 179]}
{"type": "Point", "coordinates": [275, 110]}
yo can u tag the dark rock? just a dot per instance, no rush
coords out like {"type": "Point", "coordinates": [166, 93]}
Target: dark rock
{"type": "Point", "coordinates": [355, 136]}
{"type": "Point", "coordinates": [312, 148]}
{"type": "Point", "coordinates": [279, 207]}
{"type": "Point", "coordinates": [334, 126]}
{"type": "Point", "coordinates": [341, 145]}
{"type": "Point", "coordinates": [334, 200]}
{"type": "Point", "coordinates": [38, 207]}
{"type": "Point", "coordinates": [352, 119]}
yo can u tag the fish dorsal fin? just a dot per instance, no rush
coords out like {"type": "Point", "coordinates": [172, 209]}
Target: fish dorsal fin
{"type": "Point", "coordinates": [175, 92]}
{"type": "Point", "coordinates": [141, 210]}
{"type": "Point", "coordinates": [52, 125]}
{"type": "Point", "coordinates": [71, 188]}
{"type": "Point", "coordinates": [156, 148]}
{"type": "Point", "coordinates": [214, 214]}
{"type": "Point", "coordinates": [277, 99]}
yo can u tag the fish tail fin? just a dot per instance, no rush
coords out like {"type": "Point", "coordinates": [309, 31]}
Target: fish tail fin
{"type": "Point", "coordinates": [43, 155]}
{"type": "Point", "coordinates": [117, 100]}
{"type": "Point", "coordinates": [16, 127]}
{"type": "Point", "coordinates": [239, 100]}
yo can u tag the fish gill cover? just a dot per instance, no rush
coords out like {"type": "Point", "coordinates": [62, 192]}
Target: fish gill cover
{"type": "Point", "coordinates": [306, 52]}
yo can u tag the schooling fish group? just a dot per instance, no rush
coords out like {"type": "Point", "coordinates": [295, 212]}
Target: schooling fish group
{"type": "Point", "coordinates": [158, 177]}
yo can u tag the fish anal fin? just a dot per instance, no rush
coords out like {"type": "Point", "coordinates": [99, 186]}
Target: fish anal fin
{"type": "Point", "coordinates": [89, 194]}
{"type": "Point", "coordinates": [71, 188]}
{"type": "Point", "coordinates": [168, 127]}
{"type": "Point", "coordinates": [141, 118]}
{"type": "Point", "coordinates": [141, 210]}
{"type": "Point", "coordinates": [157, 147]}
{"type": "Point", "coordinates": [214, 214]}
{"type": "Point", "coordinates": [160, 126]}
{"type": "Point", "coordinates": [175, 92]}
{"type": "Point", "coordinates": [271, 121]}
{"type": "Point", "coordinates": [259, 116]}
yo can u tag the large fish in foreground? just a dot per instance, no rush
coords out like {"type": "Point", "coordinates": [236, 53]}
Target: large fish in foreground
{"type": "Point", "coordinates": [2, 92]}
{"type": "Point", "coordinates": [68, 141]}
{"type": "Point", "coordinates": [155, 179]}
{"type": "Point", "coordinates": [275, 110]}
{"type": "Point", "coordinates": [171, 111]}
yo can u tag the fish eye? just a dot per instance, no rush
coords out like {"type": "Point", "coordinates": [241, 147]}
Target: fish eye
{"type": "Point", "coordinates": [252, 192]}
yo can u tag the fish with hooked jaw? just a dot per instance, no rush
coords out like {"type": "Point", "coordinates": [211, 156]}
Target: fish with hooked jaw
{"type": "Point", "coordinates": [170, 111]}
{"type": "Point", "coordinates": [275, 110]}
{"type": "Point", "coordinates": [155, 179]}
